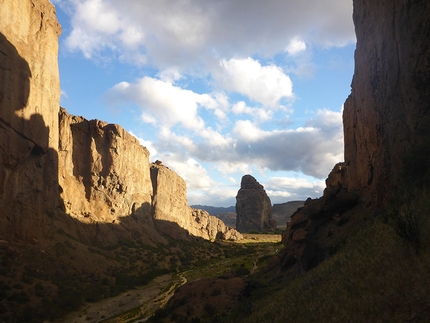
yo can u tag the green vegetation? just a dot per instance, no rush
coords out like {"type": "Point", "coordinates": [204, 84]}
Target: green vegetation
{"type": "Point", "coordinates": [381, 274]}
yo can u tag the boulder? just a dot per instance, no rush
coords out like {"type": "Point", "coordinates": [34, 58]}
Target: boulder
{"type": "Point", "coordinates": [253, 207]}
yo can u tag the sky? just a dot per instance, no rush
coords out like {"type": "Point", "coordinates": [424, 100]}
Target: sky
{"type": "Point", "coordinates": [216, 89]}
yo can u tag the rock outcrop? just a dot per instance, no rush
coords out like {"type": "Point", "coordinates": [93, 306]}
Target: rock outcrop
{"type": "Point", "coordinates": [104, 179]}
{"type": "Point", "coordinates": [61, 173]}
{"type": "Point", "coordinates": [170, 209]}
{"type": "Point", "coordinates": [253, 207]}
{"type": "Point", "coordinates": [29, 103]}
{"type": "Point", "coordinates": [386, 117]}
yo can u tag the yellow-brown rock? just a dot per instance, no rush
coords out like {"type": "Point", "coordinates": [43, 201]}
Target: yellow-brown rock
{"type": "Point", "coordinates": [29, 104]}
{"type": "Point", "coordinates": [88, 179]}
{"type": "Point", "coordinates": [174, 217]}
{"type": "Point", "coordinates": [103, 171]}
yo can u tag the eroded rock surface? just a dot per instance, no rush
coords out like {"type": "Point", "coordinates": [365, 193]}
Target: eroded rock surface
{"type": "Point", "coordinates": [385, 119]}
{"type": "Point", "coordinates": [61, 173]}
{"type": "Point", "coordinates": [253, 207]}
{"type": "Point", "coordinates": [105, 180]}
{"type": "Point", "coordinates": [171, 210]}
{"type": "Point", "coordinates": [29, 104]}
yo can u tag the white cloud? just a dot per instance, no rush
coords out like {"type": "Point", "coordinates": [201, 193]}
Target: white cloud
{"type": "Point", "coordinates": [264, 84]}
{"type": "Point", "coordinates": [190, 170]}
{"type": "Point", "coordinates": [190, 33]}
{"type": "Point", "coordinates": [147, 144]}
{"type": "Point", "coordinates": [282, 189]}
{"type": "Point", "coordinates": [296, 46]}
{"type": "Point", "coordinates": [166, 104]}
{"type": "Point", "coordinates": [259, 114]}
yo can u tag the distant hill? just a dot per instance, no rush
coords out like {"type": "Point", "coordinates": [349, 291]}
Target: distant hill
{"type": "Point", "coordinates": [282, 212]}
{"type": "Point", "coordinates": [214, 210]}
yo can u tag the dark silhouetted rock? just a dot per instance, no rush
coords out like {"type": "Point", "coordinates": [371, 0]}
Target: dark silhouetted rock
{"type": "Point", "coordinates": [386, 120]}
{"type": "Point", "coordinates": [253, 207]}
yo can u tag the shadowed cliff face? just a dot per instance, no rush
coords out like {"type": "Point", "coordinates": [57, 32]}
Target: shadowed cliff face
{"type": "Point", "coordinates": [253, 207]}
{"type": "Point", "coordinates": [386, 127]}
{"type": "Point", "coordinates": [388, 111]}
{"type": "Point", "coordinates": [66, 172]}
{"type": "Point", "coordinates": [28, 167]}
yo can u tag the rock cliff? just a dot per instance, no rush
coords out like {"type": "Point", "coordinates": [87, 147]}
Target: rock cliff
{"type": "Point", "coordinates": [386, 117]}
{"type": "Point", "coordinates": [170, 209]}
{"type": "Point", "coordinates": [29, 96]}
{"type": "Point", "coordinates": [253, 207]}
{"type": "Point", "coordinates": [59, 172]}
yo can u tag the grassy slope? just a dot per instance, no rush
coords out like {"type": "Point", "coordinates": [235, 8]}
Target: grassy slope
{"type": "Point", "coordinates": [378, 275]}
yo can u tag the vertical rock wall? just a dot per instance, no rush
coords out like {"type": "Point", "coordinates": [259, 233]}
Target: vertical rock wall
{"type": "Point", "coordinates": [174, 217]}
{"type": "Point", "coordinates": [29, 103]}
{"type": "Point", "coordinates": [253, 207]}
{"type": "Point", "coordinates": [103, 171]}
{"type": "Point", "coordinates": [387, 115]}
{"type": "Point", "coordinates": [89, 179]}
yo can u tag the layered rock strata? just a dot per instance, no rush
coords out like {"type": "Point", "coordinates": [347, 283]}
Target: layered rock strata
{"type": "Point", "coordinates": [253, 207]}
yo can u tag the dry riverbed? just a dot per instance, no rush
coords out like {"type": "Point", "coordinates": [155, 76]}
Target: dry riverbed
{"type": "Point", "coordinates": [138, 304]}
{"type": "Point", "coordinates": [131, 305]}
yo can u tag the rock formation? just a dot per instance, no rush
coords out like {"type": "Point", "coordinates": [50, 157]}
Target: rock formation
{"type": "Point", "coordinates": [387, 114]}
{"type": "Point", "coordinates": [385, 119]}
{"type": "Point", "coordinates": [253, 207]}
{"type": "Point", "coordinates": [282, 212]}
{"type": "Point", "coordinates": [170, 209]}
{"type": "Point", "coordinates": [88, 179]}
{"type": "Point", "coordinates": [29, 97]}
{"type": "Point", "coordinates": [104, 179]}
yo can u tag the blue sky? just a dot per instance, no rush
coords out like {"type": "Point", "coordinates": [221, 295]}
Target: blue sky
{"type": "Point", "coordinates": [216, 89]}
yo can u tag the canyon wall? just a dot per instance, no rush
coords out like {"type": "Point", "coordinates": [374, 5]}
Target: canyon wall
{"type": "Point", "coordinates": [170, 210]}
{"type": "Point", "coordinates": [62, 173]}
{"type": "Point", "coordinates": [386, 117]}
{"type": "Point", "coordinates": [29, 103]}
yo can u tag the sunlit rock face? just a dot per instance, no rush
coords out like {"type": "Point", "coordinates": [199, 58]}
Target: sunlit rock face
{"type": "Point", "coordinates": [104, 171]}
{"type": "Point", "coordinates": [174, 217]}
{"type": "Point", "coordinates": [253, 207]}
{"type": "Point", "coordinates": [61, 173]}
{"type": "Point", "coordinates": [386, 117]}
{"type": "Point", "coordinates": [29, 104]}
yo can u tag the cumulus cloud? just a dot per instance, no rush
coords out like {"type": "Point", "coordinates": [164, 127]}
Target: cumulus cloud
{"type": "Point", "coordinates": [264, 84]}
{"type": "Point", "coordinates": [190, 170]}
{"type": "Point", "coordinates": [186, 33]}
{"type": "Point", "coordinates": [162, 101]}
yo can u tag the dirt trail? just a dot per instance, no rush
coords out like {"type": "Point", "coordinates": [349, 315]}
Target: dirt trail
{"type": "Point", "coordinates": [146, 297]}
